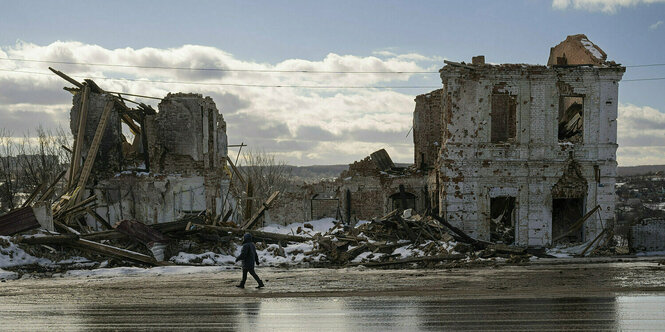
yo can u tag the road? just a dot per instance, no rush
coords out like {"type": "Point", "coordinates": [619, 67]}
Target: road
{"type": "Point", "coordinates": [607, 296]}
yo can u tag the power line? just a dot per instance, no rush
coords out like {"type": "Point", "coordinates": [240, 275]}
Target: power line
{"type": "Point", "coordinates": [238, 84]}
{"type": "Point", "coordinates": [220, 69]}
{"type": "Point", "coordinates": [273, 85]}
{"type": "Point", "coordinates": [251, 70]}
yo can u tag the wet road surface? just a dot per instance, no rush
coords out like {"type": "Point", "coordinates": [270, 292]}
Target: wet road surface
{"type": "Point", "coordinates": [353, 314]}
{"type": "Point", "coordinates": [626, 296]}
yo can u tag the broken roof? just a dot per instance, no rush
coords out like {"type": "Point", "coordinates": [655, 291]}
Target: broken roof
{"type": "Point", "coordinates": [577, 50]}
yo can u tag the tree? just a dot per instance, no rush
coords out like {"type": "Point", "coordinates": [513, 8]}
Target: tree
{"type": "Point", "coordinates": [263, 175]}
{"type": "Point", "coordinates": [28, 162]}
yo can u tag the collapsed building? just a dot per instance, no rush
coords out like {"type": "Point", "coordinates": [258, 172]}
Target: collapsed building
{"type": "Point", "coordinates": [511, 153]}
{"type": "Point", "coordinates": [174, 166]}
{"type": "Point", "coordinates": [528, 150]}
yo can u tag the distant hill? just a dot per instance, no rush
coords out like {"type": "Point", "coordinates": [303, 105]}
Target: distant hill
{"type": "Point", "coordinates": [316, 173]}
{"type": "Point", "coordinates": [639, 170]}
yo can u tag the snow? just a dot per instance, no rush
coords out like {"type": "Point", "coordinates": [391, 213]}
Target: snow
{"type": "Point", "coordinates": [134, 271]}
{"type": "Point", "coordinates": [207, 258]}
{"type": "Point", "coordinates": [564, 251]}
{"type": "Point", "coordinates": [362, 222]}
{"type": "Point", "coordinates": [655, 206]}
{"type": "Point", "coordinates": [320, 226]}
{"type": "Point", "coordinates": [650, 253]}
{"type": "Point", "coordinates": [591, 48]}
{"type": "Point", "coordinates": [7, 275]}
{"type": "Point", "coordinates": [405, 252]}
{"type": "Point", "coordinates": [12, 255]}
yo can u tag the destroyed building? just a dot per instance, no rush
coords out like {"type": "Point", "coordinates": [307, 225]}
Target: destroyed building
{"type": "Point", "coordinates": [511, 153]}
{"type": "Point", "coordinates": [528, 150]}
{"type": "Point", "coordinates": [173, 167]}
{"type": "Point", "coordinates": [370, 188]}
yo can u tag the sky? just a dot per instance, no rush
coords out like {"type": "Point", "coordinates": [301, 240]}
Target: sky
{"type": "Point", "coordinates": [315, 118]}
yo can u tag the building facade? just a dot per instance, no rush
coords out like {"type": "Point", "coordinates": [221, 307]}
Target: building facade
{"type": "Point", "coordinates": [528, 150]}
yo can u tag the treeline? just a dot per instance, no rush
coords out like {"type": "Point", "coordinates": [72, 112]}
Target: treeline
{"type": "Point", "coordinates": [28, 161]}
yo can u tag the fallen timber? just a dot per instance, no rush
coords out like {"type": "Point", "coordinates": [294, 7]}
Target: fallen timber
{"type": "Point", "coordinates": [256, 234]}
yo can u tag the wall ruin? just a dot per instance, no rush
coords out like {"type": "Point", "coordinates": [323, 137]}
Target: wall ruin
{"type": "Point", "coordinates": [187, 149]}
{"type": "Point", "coordinates": [474, 168]}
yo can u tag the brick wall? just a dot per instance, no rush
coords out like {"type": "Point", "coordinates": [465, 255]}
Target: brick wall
{"type": "Point", "coordinates": [427, 134]}
{"type": "Point", "coordinates": [473, 169]}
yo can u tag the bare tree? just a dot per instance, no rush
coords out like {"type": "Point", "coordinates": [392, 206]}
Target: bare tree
{"type": "Point", "coordinates": [29, 162]}
{"type": "Point", "coordinates": [263, 175]}
{"type": "Point", "coordinates": [8, 171]}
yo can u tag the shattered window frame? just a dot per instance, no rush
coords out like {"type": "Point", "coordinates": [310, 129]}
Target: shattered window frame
{"type": "Point", "coordinates": [503, 128]}
{"type": "Point", "coordinates": [576, 131]}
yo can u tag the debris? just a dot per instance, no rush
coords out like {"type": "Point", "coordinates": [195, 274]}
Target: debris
{"type": "Point", "coordinates": [18, 220]}
{"type": "Point", "coordinates": [260, 212]}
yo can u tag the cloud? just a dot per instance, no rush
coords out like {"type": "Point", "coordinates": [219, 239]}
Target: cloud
{"type": "Point", "coordinates": [320, 126]}
{"type": "Point", "coordinates": [641, 135]}
{"type": "Point", "coordinates": [604, 6]}
{"type": "Point", "coordinates": [656, 25]}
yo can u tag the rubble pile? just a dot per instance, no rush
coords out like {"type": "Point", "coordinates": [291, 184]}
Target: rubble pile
{"type": "Point", "coordinates": [396, 240]}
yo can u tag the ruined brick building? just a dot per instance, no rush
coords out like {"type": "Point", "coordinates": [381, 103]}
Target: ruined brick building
{"type": "Point", "coordinates": [174, 166]}
{"type": "Point", "coordinates": [526, 150]}
{"type": "Point", "coordinates": [509, 153]}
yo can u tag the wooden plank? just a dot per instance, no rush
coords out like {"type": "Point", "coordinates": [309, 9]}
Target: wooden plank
{"type": "Point", "coordinates": [255, 233]}
{"type": "Point", "coordinates": [439, 258]}
{"type": "Point", "coordinates": [99, 218]}
{"type": "Point", "coordinates": [144, 144]}
{"type": "Point", "coordinates": [261, 210]}
{"type": "Point", "coordinates": [51, 187]}
{"type": "Point", "coordinates": [133, 127]}
{"type": "Point", "coordinates": [115, 251]}
{"type": "Point", "coordinates": [65, 227]}
{"type": "Point", "coordinates": [457, 64]}
{"type": "Point", "coordinates": [577, 224]}
{"type": "Point", "coordinates": [33, 195]}
{"type": "Point", "coordinates": [47, 239]}
{"type": "Point", "coordinates": [477, 244]}
{"type": "Point", "coordinates": [592, 242]}
{"type": "Point", "coordinates": [77, 206]}
{"type": "Point", "coordinates": [83, 117]}
{"type": "Point", "coordinates": [66, 78]}
{"type": "Point", "coordinates": [235, 170]}
{"type": "Point", "coordinates": [94, 147]}
{"type": "Point", "coordinates": [409, 232]}
{"type": "Point", "coordinates": [18, 220]}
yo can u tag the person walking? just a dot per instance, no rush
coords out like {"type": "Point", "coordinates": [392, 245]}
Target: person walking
{"type": "Point", "coordinates": [248, 257]}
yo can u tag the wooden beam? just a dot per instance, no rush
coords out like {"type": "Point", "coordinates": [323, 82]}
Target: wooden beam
{"type": "Point", "coordinates": [99, 218]}
{"type": "Point", "coordinates": [457, 64]}
{"type": "Point", "coordinates": [115, 251]}
{"type": "Point", "coordinates": [235, 170]}
{"type": "Point", "coordinates": [83, 117]}
{"type": "Point", "coordinates": [256, 234]}
{"type": "Point", "coordinates": [460, 233]}
{"type": "Point", "coordinates": [409, 232]}
{"type": "Point", "coordinates": [50, 188]}
{"type": "Point", "coordinates": [144, 143]}
{"type": "Point", "coordinates": [439, 258]}
{"type": "Point", "coordinates": [33, 195]}
{"type": "Point", "coordinates": [261, 210]}
{"type": "Point", "coordinates": [577, 224]}
{"type": "Point", "coordinates": [131, 124]}
{"type": "Point", "coordinates": [66, 78]}
{"type": "Point", "coordinates": [66, 148]}
{"type": "Point", "coordinates": [49, 239]}
{"type": "Point", "coordinates": [94, 147]}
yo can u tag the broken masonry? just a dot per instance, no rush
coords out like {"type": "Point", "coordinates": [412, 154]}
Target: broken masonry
{"type": "Point", "coordinates": [510, 153]}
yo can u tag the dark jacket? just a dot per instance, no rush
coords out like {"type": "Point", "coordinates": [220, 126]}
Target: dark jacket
{"type": "Point", "coordinates": [248, 254]}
